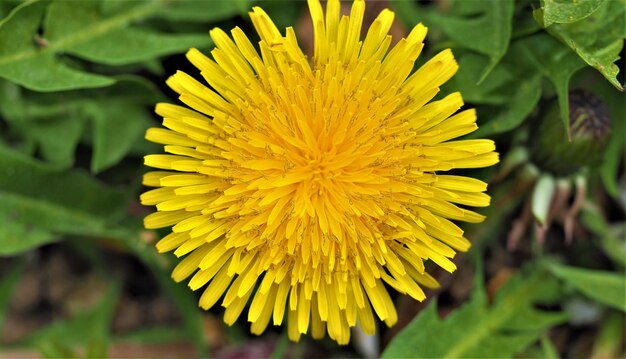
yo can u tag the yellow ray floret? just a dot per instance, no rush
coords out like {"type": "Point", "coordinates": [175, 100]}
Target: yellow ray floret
{"type": "Point", "coordinates": [305, 187]}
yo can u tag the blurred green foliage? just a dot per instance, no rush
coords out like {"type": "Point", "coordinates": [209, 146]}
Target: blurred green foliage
{"type": "Point", "coordinates": [479, 329]}
{"type": "Point", "coordinates": [79, 79]}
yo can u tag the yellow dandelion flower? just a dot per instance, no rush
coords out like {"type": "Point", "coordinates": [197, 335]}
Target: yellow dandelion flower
{"type": "Point", "coordinates": [302, 185]}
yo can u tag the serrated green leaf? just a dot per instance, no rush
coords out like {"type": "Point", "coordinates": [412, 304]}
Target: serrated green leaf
{"type": "Point", "coordinates": [116, 129]}
{"type": "Point", "coordinates": [492, 91]}
{"type": "Point", "coordinates": [57, 138]}
{"type": "Point", "coordinates": [85, 30]}
{"type": "Point", "coordinates": [24, 62]}
{"type": "Point", "coordinates": [598, 39]}
{"type": "Point", "coordinates": [55, 129]}
{"type": "Point", "coordinates": [136, 45]}
{"type": "Point", "coordinates": [18, 237]}
{"type": "Point", "coordinates": [555, 62]}
{"type": "Point", "coordinates": [508, 96]}
{"type": "Point", "coordinates": [35, 215]}
{"type": "Point", "coordinates": [487, 20]}
{"type": "Point", "coordinates": [523, 90]}
{"type": "Point", "coordinates": [562, 12]}
{"type": "Point", "coordinates": [119, 116]}
{"type": "Point", "coordinates": [118, 46]}
{"type": "Point", "coordinates": [41, 196]}
{"type": "Point", "coordinates": [605, 287]}
{"type": "Point", "coordinates": [477, 330]}
{"type": "Point", "coordinates": [18, 107]}
{"type": "Point", "coordinates": [508, 117]}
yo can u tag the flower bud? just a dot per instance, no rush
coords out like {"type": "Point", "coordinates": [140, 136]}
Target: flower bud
{"type": "Point", "coordinates": [590, 128]}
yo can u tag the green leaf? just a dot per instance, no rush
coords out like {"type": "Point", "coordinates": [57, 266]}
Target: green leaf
{"type": "Point", "coordinates": [42, 197]}
{"type": "Point", "coordinates": [506, 118]}
{"type": "Point", "coordinates": [19, 106]}
{"type": "Point", "coordinates": [119, 116]}
{"type": "Point", "coordinates": [6, 6]}
{"type": "Point", "coordinates": [610, 339]}
{"type": "Point", "coordinates": [55, 129]}
{"type": "Point", "coordinates": [548, 349]}
{"type": "Point", "coordinates": [598, 39]}
{"type": "Point", "coordinates": [495, 90]}
{"type": "Point", "coordinates": [18, 237]}
{"type": "Point", "coordinates": [114, 46]}
{"type": "Point", "coordinates": [479, 330]}
{"type": "Point", "coordinates": [23, 176]}
{"type": "Point", "coordinates": [555, 62]}
{"type": "Point", "coordinates": [116, 129]}
{"type": "Point", "coordinates": [54, 350]}
{"type": "Point", "coordinates": [488, 20]}
{"type": "Point", "coordinates": [136, 45]}
{"type": "Point", "coordinates": [508, 96]}
{"type": "Point", "coordinates": [57, 138]}
{"type": "Point", "coordinates": [24, 62]}
{"type": "Point", "coordinates": [605, 287]}
{"type": "Point", "coordinates": [83, 29]}
{"type": "Point", "coordinates": [559, 11]}
{"type": "Point", "coordinates": [204, 11]}
{"type": "Point", "coordinates": [614, 152]}
{"type": "Point", "coordinates": [524, 25]}
{"type": "Point", "coordinates": [613, 155]}
{"type": "Point", "coordinates": [523, 89]}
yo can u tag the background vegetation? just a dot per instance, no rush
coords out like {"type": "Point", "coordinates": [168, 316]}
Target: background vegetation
{"type": "Point", "coordinates": [79, 277]}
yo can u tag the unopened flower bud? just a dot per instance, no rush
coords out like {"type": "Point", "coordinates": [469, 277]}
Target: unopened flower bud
{"type": "Point", "coordinates": [590, 128]}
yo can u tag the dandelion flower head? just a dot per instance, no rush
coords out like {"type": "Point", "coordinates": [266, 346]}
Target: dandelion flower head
{"type": "Point", "coordinates": [306, 187]}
